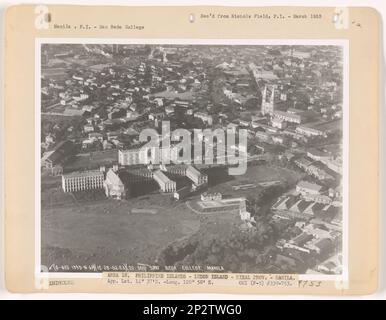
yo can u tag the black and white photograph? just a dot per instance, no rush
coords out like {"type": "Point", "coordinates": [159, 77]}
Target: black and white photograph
{"type": "Point", "coordinates": [192, 156]}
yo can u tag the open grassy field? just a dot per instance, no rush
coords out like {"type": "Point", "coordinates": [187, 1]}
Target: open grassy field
{"type": "Point", "coordinates": [107, 232]}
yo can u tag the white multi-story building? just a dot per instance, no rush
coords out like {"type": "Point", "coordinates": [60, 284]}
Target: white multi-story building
{"type": "Point", "coordinates": [196, 176]}
{"type": "Point", "coordinates": [278, 123]}
{"type": "Point", "coordinates": [148, 155]}
{"type": "Point", "coordinates": [84, 180]}
{"type": "Point", "coordinates": [211, 196]}
{"type": "Point", "coordinates": [129, 157]}
{"type": "Point", "coordinates": [114, 187]}
{"type": "Point", "coordinates": [287, 116]}
{"type": "Point", "coordinates": [164, 182]}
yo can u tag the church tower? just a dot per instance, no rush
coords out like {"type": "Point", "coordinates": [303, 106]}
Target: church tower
{"type": "Point", "coordinates": [268, 100]}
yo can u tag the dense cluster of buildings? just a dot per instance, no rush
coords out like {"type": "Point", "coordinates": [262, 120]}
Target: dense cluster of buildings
{"type": "Point", "coordinates": [288, 98]}
{"type": "Point", "coordinates": [315, 216]}
{"type": "Point", "coordinates": [118, 180]}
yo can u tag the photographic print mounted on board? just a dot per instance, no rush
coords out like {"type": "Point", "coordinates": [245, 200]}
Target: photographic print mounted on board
{"type": "Point", "coordinates": [177, 160]}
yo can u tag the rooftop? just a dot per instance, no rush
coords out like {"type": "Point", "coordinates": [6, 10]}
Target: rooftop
{"type": "Point", "coordinates": [288, 115]}
{"type": "Point", "coordinates": [113, 177]}
{"type": "Point", "coordinates": [88, 173]}
{"type": "Point", "coordinates": [193, 170]}
{"type": "Point", "coordinates": [161, 176]}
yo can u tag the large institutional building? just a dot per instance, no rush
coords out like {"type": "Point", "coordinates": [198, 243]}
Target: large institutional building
{"type": "Point", "coordinates": [114, 187]}
{"type": "Point", "coordinates": [287, 116]}
{"type": "Point", "coordinates": [166, 185]}
{"type": "Point", "coordinates": [145, 156]}
{"type": "Point", "coordinates": [129, 157]}
{"type": "Point", "coordinates": [85, 180]}
{"type": "Point", "coordinates": [116, 181]}
{"type": "Point", "coordinates": [196, 176]}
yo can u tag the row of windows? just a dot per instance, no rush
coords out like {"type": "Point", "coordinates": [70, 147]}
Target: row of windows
{"type": "Point", "coordinates": [78, 189]}
{"type": "Point", "coordinates": [83, 184]}
{"type": "Point", "coordinates": [83, 179]}
{"type": "Point", "coordinates": [135, 157]}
